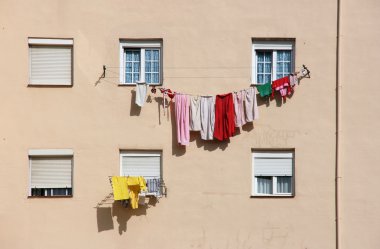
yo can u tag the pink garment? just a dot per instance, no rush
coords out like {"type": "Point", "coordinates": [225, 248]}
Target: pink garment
{"type": "Point", "coordinates": [283, 86]}
{"type": "Point", "coordinates": [239, 108]}
{"type": "Point", "coordinates": [293, 80]}
{"type": "Point", "coordinates": [182, 106]}
{"type": "Point", "coordinates": [250, 103]}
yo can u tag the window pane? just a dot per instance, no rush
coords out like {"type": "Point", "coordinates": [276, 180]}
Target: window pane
{"type": "Point", "coordinates": [59, 191]}
{"type": "Point", "coordinates": [260, 56]}
{"type": "Point", "coordinates": [268, 67]}
{"type": "Point", "coordinates": [268, 56]}
{"type": "Point", "coordinates": [148, 67]}
{"type": "Point", "coordinates": [280, 67]}
{"type": "Point", "coordinates": [260, 67]}
{"type": "Point", "coordinates": [128, 55]}
{"type": "Point", "coordinates": [148, 54]}
{"type": "Point", "coordinates": [136, 55]}
{"type": "Point", "coordinates": [135, 77]}
{"type": "Point", "coordinates": [156, 67]}
{"type": "Point", "coordinates": [148, 78]}
{"type": "Point", "coordinates": [260, 78]}
{"type": "Point", "coordinates": [128, 77]}
{"type": "Point", "coordinates": [136, 67]}
{"type": "Point", "coordinates": [264, 185]}
{"type": "Point", "coordinates": [128, 67]}
{"type": "Point", "coordinates": [287, 67]}
{"type": "Point", "coordinates": [267, 78]}
{"type": "Point", "coordinates": [280, 56]}
{"type": "Point", "coordinates": [284, 184]}
{"type": "Point", "coordinates": [156, 55]}
{"type": "Point", "coordinates": [287, 55]}
{"type": "Point", "coordinates": [155, 78]}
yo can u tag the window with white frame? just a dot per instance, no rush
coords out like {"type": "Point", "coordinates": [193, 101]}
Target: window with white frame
{"type": "Point", "coordinates": [146, 164]}
{"type": "Point", "coordinates": [50, 172]}
{"type": "Point", "coordinates": [141, 61]}
{"type": "Point", "coordinates": [271, 60]}
{"type": "Point", "coordinates": [50, 61]}
{"type": "Point", "coordinates": [273, 173]}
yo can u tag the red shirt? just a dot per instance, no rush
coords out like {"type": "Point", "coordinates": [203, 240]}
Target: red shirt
{"type": "Point", "coordinates": [281, 83]}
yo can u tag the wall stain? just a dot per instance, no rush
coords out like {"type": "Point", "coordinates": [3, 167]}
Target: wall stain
{"type": "Point", "coordinates": [269, 137]}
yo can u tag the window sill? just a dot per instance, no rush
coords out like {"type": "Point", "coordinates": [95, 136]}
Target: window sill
{"type": "Point", "coordinates": [272, 196]}
{"type": "Point", "coordinates": [50, 85]}
{"type": "Point", "coordinates": [134, 84]}
{"type": "Point", "coordinates": [50, 197]}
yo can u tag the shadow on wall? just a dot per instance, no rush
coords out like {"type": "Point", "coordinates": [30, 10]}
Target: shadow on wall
{"type": "Point", "coordinates": [277, 97]}
{"type": "Point", "coordinates": [104, 215]}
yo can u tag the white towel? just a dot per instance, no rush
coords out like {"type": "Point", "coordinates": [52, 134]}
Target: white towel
{"type": "Point", "coordinates": [141, 91]}
{"type": "Point", "coordinates": [195, 113]}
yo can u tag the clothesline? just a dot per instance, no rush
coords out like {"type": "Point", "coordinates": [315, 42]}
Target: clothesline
{"type": "Point", "coordinates": [226, 67]}
{"type": "Point", "coordinates": [165, 91]}
{"type": "Point", "coordinates": [218, 116]}
{"type": "Point", "coordinates": [303, 68]}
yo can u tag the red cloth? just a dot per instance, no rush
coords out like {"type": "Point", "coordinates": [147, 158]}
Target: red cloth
{"type": "Point", "coordinates": [224, 117]}
{"type": "Point", "coordinates": [282, 85]}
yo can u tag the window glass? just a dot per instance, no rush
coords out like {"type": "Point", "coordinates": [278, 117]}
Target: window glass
{"type": "Point", "coordinates": [152, 65]}
{"type": "Point", "coordinates": [264, 185]}
{"type": "Point", "coordinates": [284, 184]}
{"type": "Point", "coordinates": [264, 66]}
{"type": "Point", "coordinates": [132, 65]}
{"type": "Point", "coordinates": [283, 63]}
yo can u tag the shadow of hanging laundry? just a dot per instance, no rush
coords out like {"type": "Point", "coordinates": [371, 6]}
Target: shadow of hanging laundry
{"type": "Point", "coordinates": [104, 218]}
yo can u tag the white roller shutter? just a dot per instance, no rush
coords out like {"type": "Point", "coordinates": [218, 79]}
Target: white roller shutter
{"type": "Point", "coordinates": [51, 172]}
{"type": "Point", "coordinates": [147, 165]}
{"type": "Point", "coordinates": [50, 65]}
{"type": "Point", "coordinates": [273, 164]}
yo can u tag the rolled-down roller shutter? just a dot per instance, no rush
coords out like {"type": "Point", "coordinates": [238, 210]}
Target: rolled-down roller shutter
{"type": "Point", "coordinates": [273, 164]}
{"type": "Point", "coordinates": [51, 172]}
{"type": "Point", "coordinates": [147, 165]}
{"type": "Point", "coordinates": [50, 65]}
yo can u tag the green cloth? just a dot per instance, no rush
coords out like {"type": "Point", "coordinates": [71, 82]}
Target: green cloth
{"type": "Point", "coordinates": [265, 89]}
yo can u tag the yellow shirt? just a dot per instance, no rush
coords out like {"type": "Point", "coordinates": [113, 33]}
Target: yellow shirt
{"type": "Point", "coordinates": [120, 188]}
{"type": "Point", "coordinates": [136, 184]}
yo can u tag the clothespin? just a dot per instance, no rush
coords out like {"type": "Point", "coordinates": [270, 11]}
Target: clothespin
{"type": "Point", "coordinates": [153, 90]}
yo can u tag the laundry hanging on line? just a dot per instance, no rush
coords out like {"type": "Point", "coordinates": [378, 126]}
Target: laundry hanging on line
{"type": "Point", "coordinates": [218, 117]}
{"type": "Point", "coordinates": [128, 188]}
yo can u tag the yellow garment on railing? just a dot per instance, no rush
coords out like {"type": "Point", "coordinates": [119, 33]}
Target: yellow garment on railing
{"type": "Point", "coordinates": [136, 184]}
{"type": "Point", "coordinates": [120, 188]}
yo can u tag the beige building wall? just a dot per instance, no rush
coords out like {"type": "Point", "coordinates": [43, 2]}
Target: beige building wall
{"type": "Point", "coordinates": [207, 49]}
{"type": "Point", "coordinates": [360, 135]}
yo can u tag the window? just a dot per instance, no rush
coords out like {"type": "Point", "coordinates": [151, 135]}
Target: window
{"type": "Point", "coordinates": [50, 61]}
{"type": "Point", "coordinates": [146, 164]}
{"type": "Point", "coordinates": [273, 173]}
{"type": "Point", "coordinates": [50, 172]}
{"type": "Point", "coordinates": [140, 61]}
{"type": "Point", "coordinates": [271, 60]}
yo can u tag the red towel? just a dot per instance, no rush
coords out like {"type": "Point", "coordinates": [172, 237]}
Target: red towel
{"type": "Point", "coordinates": [224, 117]}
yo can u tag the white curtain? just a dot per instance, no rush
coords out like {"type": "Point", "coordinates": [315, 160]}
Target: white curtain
{"type": "Point", "coordinates": [264, 185]}
{"type": "Point", "coordinates": [284, 184]}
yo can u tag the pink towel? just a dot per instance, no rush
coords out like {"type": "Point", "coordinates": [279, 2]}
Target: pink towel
{"type": "Point", "coordinates": [182, 105]}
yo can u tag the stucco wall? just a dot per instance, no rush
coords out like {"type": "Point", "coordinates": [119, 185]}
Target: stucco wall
{"type": "Point", "coordinates": [360, 126]}
{"type": "Point", "coordinates": [209, 183]}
